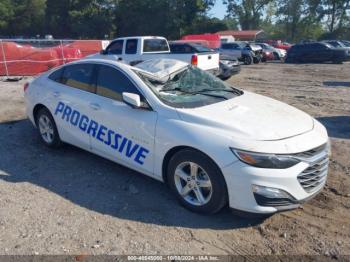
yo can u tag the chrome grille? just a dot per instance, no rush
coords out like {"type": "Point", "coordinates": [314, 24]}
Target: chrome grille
{"type": "Point", "coordinates": [315, 175]}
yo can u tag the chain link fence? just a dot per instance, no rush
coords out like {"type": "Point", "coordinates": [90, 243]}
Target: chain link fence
{"type": "Point", "coordinates": [27, 57]}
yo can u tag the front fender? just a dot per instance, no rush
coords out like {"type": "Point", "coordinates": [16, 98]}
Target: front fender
{"type": "Point", "coordinates": [173, 133]}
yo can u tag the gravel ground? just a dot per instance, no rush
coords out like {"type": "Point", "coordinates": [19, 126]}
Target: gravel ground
{"type": "Point", "coordinates": [68, 201]}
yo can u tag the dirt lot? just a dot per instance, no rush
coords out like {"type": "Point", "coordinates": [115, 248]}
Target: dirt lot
{"type": "Point", "coordinates": [69, 201]}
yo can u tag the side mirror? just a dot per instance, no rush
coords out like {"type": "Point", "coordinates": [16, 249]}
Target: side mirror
{"type": "Point", "coordinates": [132, 100]}
{"type": "Point", "coordinates": [103, 52]}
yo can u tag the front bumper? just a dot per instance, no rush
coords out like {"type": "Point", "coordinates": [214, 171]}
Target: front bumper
{"type": "Point", "coordinates": [215, 71]}
{"type": "Point", "coordinates": [241, 177]}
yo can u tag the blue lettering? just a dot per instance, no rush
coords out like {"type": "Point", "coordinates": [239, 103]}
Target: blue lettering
{"type": "Point", "coordinates": [101, 133]}
{"type": "Point", "coordinates": [92, 128]}
{"type": "Point", "coordinates": [109, 137]}
{"type": "Point", "coordinates": [84, 120]}
{"type": "Point", "coordinates": [116, 145]}
{"type": "Point", "coordinates": [130, 151]}
{"type": "Point", "coordinates": [141, 155]}
{"type": "Point", "coordinates": [59, 108]}
{"type": "Point", "coordinates": [74, 119]}
{"type": "Point", "coordinates": [66, 113]}
{"type": "Point", "coordinates": [121, 148]}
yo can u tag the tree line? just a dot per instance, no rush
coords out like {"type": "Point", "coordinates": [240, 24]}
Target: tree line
{"type": "Point", "coordinates": [291, 20]}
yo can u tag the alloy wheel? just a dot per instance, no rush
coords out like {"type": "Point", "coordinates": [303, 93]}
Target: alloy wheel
{"type": "Point", "coordinates": [193, 183]}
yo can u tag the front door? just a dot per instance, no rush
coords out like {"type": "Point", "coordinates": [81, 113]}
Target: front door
{"type": "Point", "coordinates": [123, 134]}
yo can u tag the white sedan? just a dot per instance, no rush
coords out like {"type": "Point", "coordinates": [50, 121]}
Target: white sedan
{"type": "Point", "coordinates": [214, 145]}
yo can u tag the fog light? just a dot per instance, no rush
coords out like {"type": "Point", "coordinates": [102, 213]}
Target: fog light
{"type": "Point", "coordinates": [270, 192]}
{"type": "Point", "coordinates": [274, 197]}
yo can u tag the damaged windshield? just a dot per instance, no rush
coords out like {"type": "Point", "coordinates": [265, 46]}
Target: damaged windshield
{"type": "Point", "coordinates": [190, 87]}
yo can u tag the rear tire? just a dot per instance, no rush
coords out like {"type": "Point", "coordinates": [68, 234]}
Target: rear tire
{"type": "Point", "coordinates": [197, 182]}
{"type": "Point", "coordinates": [47, 128]}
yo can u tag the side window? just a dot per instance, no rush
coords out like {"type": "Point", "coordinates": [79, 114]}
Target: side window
{"type": "Point", "coordinates": [225, 46]}
{"type": "Point", "coordinates": [116, 48]}
{"type": "Point", "coordinates": [320, 46]}
{"type": "Point", "coordinates": [79, 76]}
{"type": "Point", "coordinates": [131, 46]}
{"type": "Point", "coordinates": [57, 75]}
{"type": "Point", "coordinates": [111, 83]}
{"type": "Point", "coordinates": [177, 48]}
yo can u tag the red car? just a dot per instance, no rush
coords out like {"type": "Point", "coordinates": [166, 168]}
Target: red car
{"type": "Point", "coordinates": [267, 55]}
{"type": "Point", "coordinates": [279, 44]}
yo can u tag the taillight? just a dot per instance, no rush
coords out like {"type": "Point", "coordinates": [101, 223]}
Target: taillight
{"type": "Point", "coordinates": [26, 85]}
{"type": "Point", "coordinates": [194, 60]}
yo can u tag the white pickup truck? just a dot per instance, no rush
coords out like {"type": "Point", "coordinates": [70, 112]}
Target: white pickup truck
{"type": "Point", "coordinates": [133, 50]}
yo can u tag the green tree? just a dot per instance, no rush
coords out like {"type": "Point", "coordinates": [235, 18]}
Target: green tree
{"type": "Point", "coordinates": [6, 13]}
{"type": "Point", "coordinates": [24, 17]}
{"type": "Point", "coordinates": [171, 18]}
{"type": "Point", "coordinates": [205, 24]}
{"type": "Point", "coordinates": [248, 12]}
{"type": "Point", "coordinates": [92, 18]}
{"type": "Point", "coordinates": [57, 22]}
{"type": "Point", "coordinates": [299, 19]}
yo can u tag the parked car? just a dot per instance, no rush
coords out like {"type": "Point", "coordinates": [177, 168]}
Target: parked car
{"type": "Point", "coordinates": [229, 66]}
{"type": "Point", "coordinates": [316, 52]}
{"type": "Point", "coordinates": [243, 51]}
{"type": "Point", "coordinates": [213, 144]}
{"type": "Point", "coordinates": [279, 44]}
{"type": "Point", "coordinates": [136, 49]}
{"type": "Point", "coordinates": [337, 44]}
{"type": "Point", "coordinates": [272, 53]}
{"type": "Point", "coordinates": [345, 42]}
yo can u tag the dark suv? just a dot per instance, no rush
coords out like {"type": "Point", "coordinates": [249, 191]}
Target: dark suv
{"type": "Point", "coordinates": [316, 52]}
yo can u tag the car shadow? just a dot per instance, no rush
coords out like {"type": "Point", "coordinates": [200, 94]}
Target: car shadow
{"type": "Point", "coordinates": [337, 126]}
{"type": "Point", "coordinates": [336, 83]}
{"type": "Point", "coordinates": [96, 183]}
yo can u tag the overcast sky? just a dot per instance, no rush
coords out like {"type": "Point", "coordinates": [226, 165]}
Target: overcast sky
{"type": "Point", "coordinates": [219, 10]}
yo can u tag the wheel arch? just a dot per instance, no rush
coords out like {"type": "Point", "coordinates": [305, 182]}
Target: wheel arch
{"type": "Point", "coordinates": [171, 152]}
{"type": "Point", "coordinates": [36, 109]}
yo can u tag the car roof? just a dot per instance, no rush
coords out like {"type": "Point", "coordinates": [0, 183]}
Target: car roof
{"type": "Point", "coordinates": [137, 37]}
{"type": "Point", "coordinates": [155, 68]}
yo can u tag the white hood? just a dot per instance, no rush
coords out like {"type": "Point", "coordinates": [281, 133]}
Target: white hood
{"type": "Point", "coordinates": [252, 117]}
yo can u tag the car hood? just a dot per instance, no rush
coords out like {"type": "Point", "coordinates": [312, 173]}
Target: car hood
{"type": "Point", "coordinates": [251, 116]}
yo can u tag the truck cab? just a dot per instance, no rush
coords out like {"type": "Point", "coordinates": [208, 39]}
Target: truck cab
{"type": "Point", "coordinates": [133, 50]}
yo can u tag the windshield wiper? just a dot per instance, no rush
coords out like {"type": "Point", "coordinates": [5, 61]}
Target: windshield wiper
{"type": "Point", "coordinates": [193, 93]}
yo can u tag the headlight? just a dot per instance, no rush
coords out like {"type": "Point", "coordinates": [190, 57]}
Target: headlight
{"type": "Point", "coordinates": [265, 160]}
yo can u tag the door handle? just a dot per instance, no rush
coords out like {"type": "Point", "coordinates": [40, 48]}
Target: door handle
{"type": "Point", "coordinates": [56, 94]}
{"type": "Point", "coordinates": [95, 106]}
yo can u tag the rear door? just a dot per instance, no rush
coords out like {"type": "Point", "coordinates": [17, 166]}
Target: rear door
{"type": "Point", "coordinates": [231, 49]}
{"type": "Point", "coordinates": [70, 99]}
{"type": "Point", "coordinates": [123, 134]}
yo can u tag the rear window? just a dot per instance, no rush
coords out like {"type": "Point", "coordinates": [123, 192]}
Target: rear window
{"type": "Point", "coordinates": [155, 45]}
{"type": "Point", "coordinates": [201, 49]}
{"type": "Point", "coordinates": [181, 48]}
{"type": "Point", "coordinates": [57, 75]}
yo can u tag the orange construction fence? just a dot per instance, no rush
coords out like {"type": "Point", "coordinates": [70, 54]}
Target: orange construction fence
{"type": "Point", "coordinates": [32, 57]}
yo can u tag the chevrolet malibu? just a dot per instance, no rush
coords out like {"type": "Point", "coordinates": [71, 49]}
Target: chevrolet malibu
{"type": "Point", "coordinates": [213, 144]}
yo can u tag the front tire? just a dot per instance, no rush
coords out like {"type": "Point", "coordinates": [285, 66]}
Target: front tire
{"type": "Point", "coordinates": [47, 128]}
{"type": "Point", "coordinates": [247, 59]}
{"type": "Point", "coordinates": [197, 182]}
